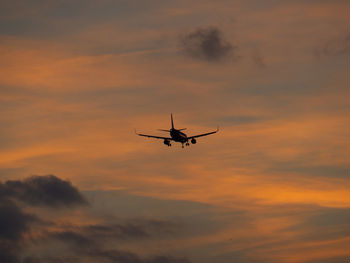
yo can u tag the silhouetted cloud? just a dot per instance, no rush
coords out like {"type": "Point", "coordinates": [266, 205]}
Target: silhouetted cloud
{"type": "Point", "coordinates": [14, 222]}
{"type": "Point", "coordinates": [89, 241]}
{"type": "Point", "coordinates": [334, 47]}
{"type": "Point", "coordinates": [119, 256]}
{"type": "Point", "coordinates": [72, 237]}
{"type": "Point", "coordinates": [46, 190]}
{"type": "Point", "coordinates": [135, 229]}
{"type": "Point", "coordinates": [207, 44]}
{"type": "Point", "coordinates": [167, 259]}
{"type": "Point", "coordinates": [91, 235]}
{"type": "Point", "coordinates": [70, 259]}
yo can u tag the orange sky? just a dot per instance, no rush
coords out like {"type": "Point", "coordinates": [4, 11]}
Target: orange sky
{"type": "Point", "coordinates": [77, 77]}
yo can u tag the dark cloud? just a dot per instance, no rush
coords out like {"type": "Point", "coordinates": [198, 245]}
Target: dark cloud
{"type": "Point", "coordinates": [14, 223]}
{"type": "Point", "coordinates": [90, 235]}
{"type": "Point", "coordinates": [119, 231]}
{"type": "Point", "coordinates": [207, 44]}
{"type": "Point", "coordinates": [81, 243]}
{"type": "Point", "coordinates": [119, 256]}
{"type": "Point", "coordinates": [46, 190]}
{"type": "Point", "coordinates": [72, 237]}
{"type": "Point", "coordinates": [167, 259]}
{"type": "Point", "coordinates": [90, 240]}
{"type": "Point", "coordinates": [33, 259]}
{"type": "Point", "coordinates": [132, 229]}
{"type": "Point", "coordinates": [334, 47]}
{"type": "Point", "coordinates": [116, 256]}
{"type": "Point", "coordinates": [8, 252]}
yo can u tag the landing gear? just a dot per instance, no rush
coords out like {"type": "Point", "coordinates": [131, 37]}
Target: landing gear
{"type": "Point", "coordinates": [187, 144]}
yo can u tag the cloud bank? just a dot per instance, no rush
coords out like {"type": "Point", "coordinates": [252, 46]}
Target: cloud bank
{"type": "Point", "coordinates": [20, 229]}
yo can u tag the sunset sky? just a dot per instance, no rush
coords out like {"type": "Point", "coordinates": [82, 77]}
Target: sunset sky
{"type": "Point", "coordinates": [76, 183]}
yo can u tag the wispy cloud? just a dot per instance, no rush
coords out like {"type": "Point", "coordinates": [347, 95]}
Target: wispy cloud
{"type": "Point", "coordinates": [336, 46]}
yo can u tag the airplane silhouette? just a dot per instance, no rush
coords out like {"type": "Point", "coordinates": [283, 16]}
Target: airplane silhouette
{"type": "Point", "coordinates": [177, 136]}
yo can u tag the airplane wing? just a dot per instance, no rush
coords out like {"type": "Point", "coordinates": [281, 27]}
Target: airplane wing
{"type": "Point", "coordinates": [203, 134]}
{"type": "Point", "coordinates": [153, 136]}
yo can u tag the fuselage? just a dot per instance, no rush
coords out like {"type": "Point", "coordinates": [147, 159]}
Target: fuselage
{"type": "Point", "coordinates": [178, 136]}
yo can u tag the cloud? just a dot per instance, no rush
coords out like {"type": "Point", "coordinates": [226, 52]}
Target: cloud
{"type": "Point", "coordinates": [133, 229]}
{"type": "Point", "coordinates": [46, 190]}
{"type": "Point", "coordinates": [89, 242]}
{"type": "Point", "coordinates": [128, 257]}
{"type": "Point", "coordinates": [337, 46]}
{"type": "Point", "coordinates": [14, 223]}
{"type": "Point", "coordinates": [207, 44]}
{"type": "Point", "coordinates": [72, 237]}
{"type": "Point", "coordinates": [33, 259]}
{"type": "Point", "coordinates": [36, 190]}
{"type": "Point", "coordinates": [82, 243]}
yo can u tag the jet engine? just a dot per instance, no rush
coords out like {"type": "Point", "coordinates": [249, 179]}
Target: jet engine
{"type": "Point", "coordinates": [167, 142]}
{"type": "Point", "coordinates": [193, 141]}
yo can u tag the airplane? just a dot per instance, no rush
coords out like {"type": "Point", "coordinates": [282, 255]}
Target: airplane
{"type": "Point", "coordinates": [177, 135]}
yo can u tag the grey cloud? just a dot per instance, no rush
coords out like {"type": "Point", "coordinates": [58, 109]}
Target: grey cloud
{"type": "Point", "coordinates": [72, 237]}
{"type": "Point", "coordinates": [167, 259]}
{"type": "Point", "coordinates": [241, 119]}
{"type": "Point", "coordinates": [120, 231]}
{"type": "Point", "coordinates": [14, 223]}
{"type": "Point", "coordinates": [52, 19]}
{"type": "Point", "coordinates": [116, 256]}
{"type": "Point", "coordinates": [133, 229]}
{"type": "Point", "coordinates": [33, 259]}
{"type": "Point", "coordinates": [82, 243]}
{"type": "Point", "coordinates": [8, 252]}
{"type": "Point", "coordinates": [207, 44]}
{"type": "Point", "coordinates": [46, 190]}
{"type": "Point", "coordinates": [90, 235]}
{"type": "Point", "coordinates": [119, 256]}
{"type": "Point", "coordinates": [334, 47]}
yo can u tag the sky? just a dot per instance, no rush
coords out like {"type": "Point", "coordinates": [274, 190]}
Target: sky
{"type": "Point", "coordinates": [78, 77]}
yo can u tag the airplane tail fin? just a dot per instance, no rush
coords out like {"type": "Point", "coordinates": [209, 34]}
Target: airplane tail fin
{"type": "Point", "coordinates": [172, 121]}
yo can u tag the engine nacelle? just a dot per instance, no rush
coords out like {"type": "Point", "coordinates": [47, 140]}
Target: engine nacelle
{"type": "Point", "coordinates": [193, 141]}
{"type": "Point", "coordinates": [167, 142]}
